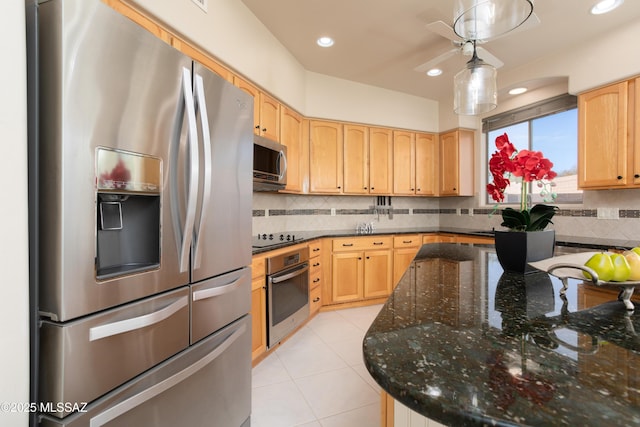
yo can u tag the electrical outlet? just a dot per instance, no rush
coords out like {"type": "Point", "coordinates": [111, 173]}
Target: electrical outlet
{"type": "Point", "coordinates": [470, 211]}
{"type": "Point", "coordinates": [333, 211]}
{"type": "Point", "coordinates": [410, 211]}
{"type": "Point", "coordinates": [458, 211]}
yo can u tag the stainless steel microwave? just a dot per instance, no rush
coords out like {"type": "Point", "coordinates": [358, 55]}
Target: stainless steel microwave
{"type": "Point", "coordinates": [269, 165]}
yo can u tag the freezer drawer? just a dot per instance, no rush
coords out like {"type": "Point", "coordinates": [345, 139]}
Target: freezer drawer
{"type": "Point", "coordinates": [84, 359]}
{"type": "Point", "coordinates": [207, 385]}
{"type": "Point", "coordinates": [219, 301]}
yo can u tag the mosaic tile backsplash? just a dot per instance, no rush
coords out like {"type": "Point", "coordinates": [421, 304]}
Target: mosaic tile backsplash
{"type": "Point", "coordinates": [286, 212]}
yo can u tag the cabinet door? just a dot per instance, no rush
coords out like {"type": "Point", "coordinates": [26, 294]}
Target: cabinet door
{"type": "Point", "coordinates": [402, 258]}
{"type": "Point", "coordinates": [291, 137]}
{"type": "Point", "coordinates": [356, 169]}
{"type": "Point", "coordinates": [378, 273]}
{"type": "Point", "coordinates": [258, 318]}
{"type": "Point", "coordinates": [269, 117]}
{"type": "Point", "coordinates": [602, 137]}
{"type": "Point", "coordinates": [404, 172]}
{"type": "Point", "coordinates": [347, 275]}
{"type": "Point", "coordinates": [449, 171]}
{"type": "Point", "coordinates": [325, 157]}
{"type": "Point", "coordinates": [426, 164]}
{"type": "Point", "coordinates": [635, 167]}
{"type": "Point", "coordinates": [380, 161]}
{"type": "Point", "coordinates": [255, 93]}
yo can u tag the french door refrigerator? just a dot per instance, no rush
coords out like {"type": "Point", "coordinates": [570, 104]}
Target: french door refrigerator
{"type": "Point", "coordinates": [143, 166]}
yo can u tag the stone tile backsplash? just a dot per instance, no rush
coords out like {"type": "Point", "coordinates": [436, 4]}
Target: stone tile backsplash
{"type": "Point", "coordinates": [286, 212]}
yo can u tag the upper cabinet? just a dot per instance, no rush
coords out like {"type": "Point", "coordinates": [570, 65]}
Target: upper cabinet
{"type": "Point", "coordinates": [608, 147]}
{"type": "Point", "coordinates": [266, 110]}
{"type": "Point", "coordinates": [291, 135]}
{"type": "Point", "coordinates": [456, 163]}
{"type": "Point", "coordinates": [404, 163]}
{"type": "Point", "coordinates": [356, 154]}
{"type": "Point", "coordinates": [325, 156]}
{"type": "Point", "coordinates": [426, 164]}
{"type": "Point", "coordinates": [368, 154]}
{"type": "Point", "coordinates": [415, 163]}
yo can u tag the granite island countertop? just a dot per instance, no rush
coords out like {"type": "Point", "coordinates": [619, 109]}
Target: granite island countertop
{"type": "Point", "coordinates": [462, 343]}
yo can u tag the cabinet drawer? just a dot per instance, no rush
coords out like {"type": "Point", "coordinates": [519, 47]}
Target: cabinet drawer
{"type": "Point", "coordinates": [407, 241]}
{"type": "Point", "coordinates": [315, 264]}
{"type": "Point", "coordinates": [315, 248]}
{"type": "Point", "coordinates": [362, 243]}
{"type": "Point", "coordinates": [315, 279]}
{"type": "Point", "coordinates": [257, 267]}
{"type": "Point", "coordinates": [315, 299]}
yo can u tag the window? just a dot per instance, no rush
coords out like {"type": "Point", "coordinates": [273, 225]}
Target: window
{"type": "Point", "coordinates": [550, 127]}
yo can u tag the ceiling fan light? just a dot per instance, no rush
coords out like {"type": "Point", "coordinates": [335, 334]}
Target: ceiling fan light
{"type": "Point", "coordinates": [475, 88]}
{"type": "Point", "coordinates": [325, 41]}
{"type": "Point", "coordinates": [486, 19]}
{"type": "Point", "coordinates": [434, 72]}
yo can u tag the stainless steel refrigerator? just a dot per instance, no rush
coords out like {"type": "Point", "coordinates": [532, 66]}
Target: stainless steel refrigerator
{"type": "Point", "coordinates": [143, 182]}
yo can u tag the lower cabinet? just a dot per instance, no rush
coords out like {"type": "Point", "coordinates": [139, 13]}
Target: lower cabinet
{"type": "Point", "coordinates": [258, 308]}
{"type": "Point", "coordinates": [395, 414]}
{"type": "Point", "coordinates": [362, 268]}
{"type": "Point", "coordinates": [405, 248]}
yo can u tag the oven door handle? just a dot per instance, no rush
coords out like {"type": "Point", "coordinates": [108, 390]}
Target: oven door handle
{"type": "Point", "coordinates": [290, 274]}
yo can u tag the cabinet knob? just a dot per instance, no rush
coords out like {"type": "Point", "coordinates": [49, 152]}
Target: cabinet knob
{"type": "Point", "coordinates": [359, 257]}
{"type": "Point", "coordinates": [316, 264]}
{"type": "Point", "coordinates": [636, 175]}
{"type": "Point", "coordinates": [413, 189]}
{"type": "Point", "coordinates": [257, 126]}
{"type": "Point", "coordinates": [373, 188]}
{"type": "Point", "coordinates": [339, 187]}
{"type": "Point", "coordinates": [454, 188]}
{"type": "Point", "coordinates": [316, 280]}
{"type": "Point", "coordinates": [418, 189]}
{"type": "Point", "coordinates": [316, 249]}
{"type": "Point", "coordinates": [316, 299]}
{"type": "Point", "coordinates": [368, 257]}
{"type": "Point", "coordinates": [619, 176]}
{"type": "Point", "coordinates": [365, 188]}
{"type": "Point", "coordinates": [264, 129]}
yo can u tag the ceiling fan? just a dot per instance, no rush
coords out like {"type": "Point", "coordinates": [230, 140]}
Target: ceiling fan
{"type": "Point", "coordinates": [466, 46]}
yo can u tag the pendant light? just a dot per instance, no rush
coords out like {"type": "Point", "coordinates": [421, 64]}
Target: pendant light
{"type": "Point", "coordinates": [486, 19]}
{"type": "Point", "coordinates": [475, 87]}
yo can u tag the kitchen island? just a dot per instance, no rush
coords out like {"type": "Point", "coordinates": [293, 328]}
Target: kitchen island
{"type": "Point", "coordinates": [463, 343]}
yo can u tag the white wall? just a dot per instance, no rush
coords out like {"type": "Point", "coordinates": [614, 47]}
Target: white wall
{"type": "Point", "coordinates": [14, 292]}
{"type": "Point", "coordinates": [232, 34]}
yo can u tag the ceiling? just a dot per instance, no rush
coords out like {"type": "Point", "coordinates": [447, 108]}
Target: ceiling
{"type": "Point", "coordinates": [381, 42]}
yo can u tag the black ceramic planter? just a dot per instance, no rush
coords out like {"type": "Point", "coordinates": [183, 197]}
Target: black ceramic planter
{"type": "Point", "coordinates": [515, 249]}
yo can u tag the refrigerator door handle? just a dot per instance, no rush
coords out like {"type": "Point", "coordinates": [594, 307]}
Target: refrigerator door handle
{"type": "Point", "coordinates": [122, 326]}
{"type": "Point", "coordinates": [193, 172]}
{"type": "Point", "coordinates": [136, 400]}
{"type": "Point", "coordinates": [217, 291]}
{"type": "Point", "coordinates": [201, 104]}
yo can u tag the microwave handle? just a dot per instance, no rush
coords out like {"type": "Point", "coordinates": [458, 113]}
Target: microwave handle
{"type": "Point", "coordinates": [283, 157]}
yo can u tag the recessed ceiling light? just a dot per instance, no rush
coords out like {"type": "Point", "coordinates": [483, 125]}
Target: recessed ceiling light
{"type": "Point", "coordinates": [517, 90]}
{"type": "Point", "coordinates": [605, 6]}
{"type": "Point", "coordinates": [325, 41]}
{"type": "Point", "coordinates": [434, 72]}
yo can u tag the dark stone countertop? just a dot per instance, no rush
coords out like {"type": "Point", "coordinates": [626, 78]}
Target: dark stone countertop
{"type": "Point", "coordinates": [573, 241]}
{"type": "Point", "coordinates": [464, 344]}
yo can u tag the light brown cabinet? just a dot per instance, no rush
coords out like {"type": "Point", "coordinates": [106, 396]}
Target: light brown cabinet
{"type": "Point", "coordinates": [426, 164]}
{"type": "Point", "coordinates": [405, 248]}
{"type": "Point", "coordinates": [266, 110]}
{"type": "Point", "coordinates": [608, 144]}
{"type": "Point", "coordinates": [404, 163]}
{"type": "Point", "coordinates": [380, 161]}
{"type": "Point", "coordinates": [456, 163]}
{"type": "Point", "coordinates": [325, 157]}
{"type": "Point", "coordinates": [356, 155]}
{"type": "Point", "coordinates": [315, 276]}
{"type": "Point", "coordinates": [368, 154]}
{"type": "Point", "coordinates": [291, 135]}
{"type": "Point", "coordinates": [361, 268]}
{"type": "Point", "coordinates": [258, 307]}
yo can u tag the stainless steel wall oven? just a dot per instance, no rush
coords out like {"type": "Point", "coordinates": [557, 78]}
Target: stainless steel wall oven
{"type": "Point", "coordinates": [287, 293]}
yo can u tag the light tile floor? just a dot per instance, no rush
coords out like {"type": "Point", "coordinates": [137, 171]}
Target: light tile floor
{"type": "Point", "coordinates": [317, 378]}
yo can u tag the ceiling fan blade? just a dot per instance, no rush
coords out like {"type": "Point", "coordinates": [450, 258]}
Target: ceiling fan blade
{"type": "Point", "coordinates": [488, 57]}
{"type": "Point", "coordinates": [437, 60]}
{"type": "Point", "coordinates": [443, 29]}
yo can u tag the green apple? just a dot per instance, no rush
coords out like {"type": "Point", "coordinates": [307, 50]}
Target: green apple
{"type": "Point", "coordinates": [621, 269]}
{"type": "Point", "coordinates": [600, 263]}
{"type": "Point", "coordinates": [633, 258]}
{"type": "Point", "coordinates": [636, 250]}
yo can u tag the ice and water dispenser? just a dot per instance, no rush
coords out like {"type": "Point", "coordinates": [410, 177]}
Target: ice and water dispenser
{"type": "Point", "coordinates": [128, 212]}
